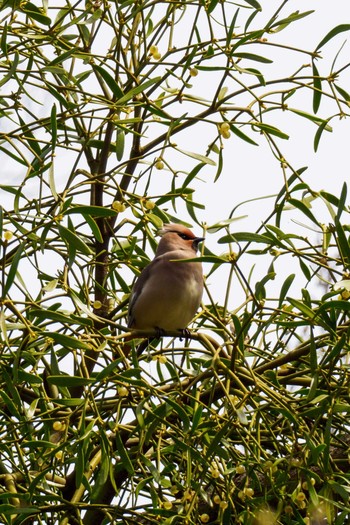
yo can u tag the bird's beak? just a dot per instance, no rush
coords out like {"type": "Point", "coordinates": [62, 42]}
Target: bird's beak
{"type": "Point", "coordinates": [196, 241]}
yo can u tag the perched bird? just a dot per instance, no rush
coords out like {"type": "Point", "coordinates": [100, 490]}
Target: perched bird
{"type": "Point", "coordinates": [168, 293]}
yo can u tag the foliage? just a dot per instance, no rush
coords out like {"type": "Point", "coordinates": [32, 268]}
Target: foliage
{"type": "Point", "coordinates": [246, 420]}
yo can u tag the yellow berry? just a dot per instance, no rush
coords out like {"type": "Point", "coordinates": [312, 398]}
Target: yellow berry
{"type": "Point", "coordinates": [301, 496]}
{"type": "Point", "coordinates": [157, 56]}
{"type": "Point", "coordinates": [241, 495]}
{"type": "Point", "coordinates": [123, 391]}
{"type": "Point", "coordinates": [204, 518]}
{"type": "Point", "coordinates": [226, 134]}
{"type": "Point", "coordinates": [97, 305]}
{"type": "Point", "coordinates": [118, 206]}
{"type": "Point", "coordinates": [167, 505]}
{"type": "Point", "coordinates": [223, 505]}
{"type": "Point", "coordinates": [57, 425]}
{"type": "Point", "coordinates": [149, 205]}
{"type": "Point", "coordinates": [217, 499]}
{"type": "Point", "coordinates": [268, 465]}
{"type": "Point", "coordinates": [59, 454]}
{"type": "Point", "coordinates": [193, 72]}
{"type": "Point", "coordinates": [288, 509]}
{"type": "Point", "coordinates": [249, 492]}
{"type": "Point", "coordinates": [162, 359]}
{"type": "Point", "coordinates": [240, 469]}
{"type": "Point", "coordinates": [8, 235]}
{"type": "Point", "coordinates": [153, 49]}
{"type": "Point", "coordinates": [188, 495]}
{"type": "Point", "coordinates": [225, 126]}
{"type": "Point", "coordinates": [159, 164]}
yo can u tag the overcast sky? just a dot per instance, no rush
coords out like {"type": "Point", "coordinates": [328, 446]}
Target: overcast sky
{"type": "Point", "coordinates": [253, 171]}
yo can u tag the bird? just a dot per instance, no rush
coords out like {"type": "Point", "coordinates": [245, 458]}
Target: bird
{"type": "Point", "coordinates": [167, 293]}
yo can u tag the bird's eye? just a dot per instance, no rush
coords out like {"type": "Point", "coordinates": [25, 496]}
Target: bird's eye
{"type": "Point", "coordinates": [184, 236]}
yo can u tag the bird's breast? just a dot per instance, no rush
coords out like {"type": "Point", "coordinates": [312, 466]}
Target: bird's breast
{"type": "Point", "coordinates": [170, 297]}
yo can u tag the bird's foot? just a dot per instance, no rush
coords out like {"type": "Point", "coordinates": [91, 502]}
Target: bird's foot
{"type": "Point", "coordinates": [159, 332]}
{"type": "Point", "coordinates": [185, 332]}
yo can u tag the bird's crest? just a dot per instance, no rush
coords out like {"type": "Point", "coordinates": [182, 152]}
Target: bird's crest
{"type": "Point", "coordinates": [176, 228]}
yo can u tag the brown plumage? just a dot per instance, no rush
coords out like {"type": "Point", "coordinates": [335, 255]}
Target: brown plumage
{"type": "Point", "coordinates": [167, 293]}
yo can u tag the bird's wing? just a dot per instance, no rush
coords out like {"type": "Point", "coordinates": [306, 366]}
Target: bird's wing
{"type": "Point", "coordinates": [137, 289]}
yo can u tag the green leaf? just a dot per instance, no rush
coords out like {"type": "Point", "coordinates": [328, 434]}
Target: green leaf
{"type": "Point", "coordinates": [319, 132]}
{"type": "Point", "coordinates": [94, 228]}
{"type": "Point", "coordinates": [197, 156]}
{"type": "Point", "coordinates": [10, 405]}
{"type": "Point", "coordinates": [317, 93]}
{"type": "Point", "coordinates": [213, 259]}
{"type": "Point", "coordinates": [343, 200]}
{"type": "Point", "coordinates": [284, 22]}
{"type": "Point", "coordinates": [70, 401]}
{"type": "Point", "coordinates": [31, 379]}
{"type": "Point", "coordinates": [270, 130]}
{"type": "Point", "coordinates": [52, 182]}
{"type": "Point", "coordinates": [253, 71]}
{"type": "Point", "coordinates": [93, 211]}
{"type": "Point", "coordinates": [303, 208]}
{"type": "Point", "coordinates": [251, 56]}
{"type": "Point", "coordinates": [137, 90]}
{"type": "Point", "coordinates": [220, 166]}
{"type": "Point", "coordinates": [182, 414]}
{"type": "Point", "coordinates": [216, 442]}
{"type": "Point", "coordinates": [65, 56]}
{"type": "Point", "coordinates": [33, 143]}
{"type": "Point", "coordinates": [342, 242]}
{"type": "Point", "coordinates": [316, 120]}
{"type": "Point", "coordinates": [51, 315]}
{"type": "Point", "coordinates": [341, 306]}
{"type": "Point", "coordinates": [301, 306]}
{"type": "Point", "coordinates": [196, 419]}
{"type": "Point", "coordinates": [53, 120]}
{"type": "Point", "coordinates": [335, 31]}
{"type": "Point", "coordinates": [305, 269]}
{"type": "Point", "coordinates": [74, 241]}
{"type": "Point", "coordinates": [213, 228]}
{"type": "Point", "coordinates": [111, 83]}
{"type": "Point", "coordinates": [8, 510]}
{"type": "Point", "coordinates": [67, 341]}
{"type": "Point", "coordinates": [13, 270]}
{"type": "Point", "coordinates": [211, 6]}
{"type": "Point", "coordinates": [34, 12]}
{"type": "Point", "coordinates": [284, 288]}
{"type": "Point", "coordinates": [245, 237]}
{"type": "Point", "coordinates": [120, 143]}
{"type": "Point", "coordinates": [341, 407]}
{"type": "Point", "coordinates": [342, 490]}
{"type": "Point", "coordinates": [69, 381]}
{"type": "Point", "coordinates": [342, 92]}
{"type": "Point", "coordinates": [124, 456]}
{"type": "Point", "coordinates": [254, 3]}
{"type": "Point", "coordinates": [12, 71]}
{"type": "Point", "coordinates": [241, 135]}
{"type": "Point", "coordinates": [3, 42]}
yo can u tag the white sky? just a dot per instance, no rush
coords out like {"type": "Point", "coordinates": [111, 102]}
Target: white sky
{"type": "Point", "coordinates": [252, 171]}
